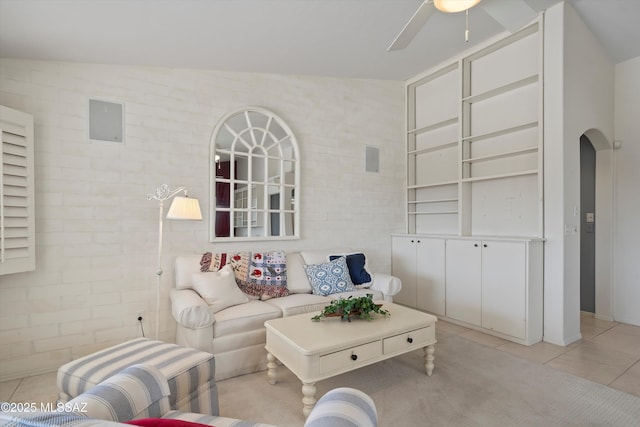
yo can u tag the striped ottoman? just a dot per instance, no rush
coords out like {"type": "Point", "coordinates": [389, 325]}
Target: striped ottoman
{"type": "Point", "coordinates": [190, 372]}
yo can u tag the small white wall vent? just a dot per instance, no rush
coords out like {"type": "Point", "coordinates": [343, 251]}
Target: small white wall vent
{"type": "Point", "coordinates": [106, 121]}
{"type": "Point", "coordinates": [371, 159]}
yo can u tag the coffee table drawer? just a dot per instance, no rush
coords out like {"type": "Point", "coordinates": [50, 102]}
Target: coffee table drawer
{"type": "Point", "coordinates": [349, 358]}
{"type": "Point", "coordinates": [418, 338]}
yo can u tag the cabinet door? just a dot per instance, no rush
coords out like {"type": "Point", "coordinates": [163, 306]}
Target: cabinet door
{"type": "Point", "coordinates": [463, 290]}
{"type": "Point", "coordinates": [504, 287]}
{"type": "Point", "coordinates": [430, 287]}
{"type": "Point", "coordinates": [403, 266]}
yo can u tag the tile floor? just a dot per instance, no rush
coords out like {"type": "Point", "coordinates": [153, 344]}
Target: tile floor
{"type": "Point", "coordinates": [609, 353]}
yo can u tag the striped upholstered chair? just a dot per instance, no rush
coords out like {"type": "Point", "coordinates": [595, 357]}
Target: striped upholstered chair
{"type": "Point", "coordinates": [141, 393]}
{"type": "Point", "coordinates": [343, 407]}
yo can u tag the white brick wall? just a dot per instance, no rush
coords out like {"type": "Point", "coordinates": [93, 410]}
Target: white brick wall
{"type": "Point", "coordinates": [97, 233]}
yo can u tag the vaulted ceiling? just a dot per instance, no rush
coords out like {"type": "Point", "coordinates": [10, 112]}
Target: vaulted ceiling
{"type": "Point", "coordinates": [342, 38]}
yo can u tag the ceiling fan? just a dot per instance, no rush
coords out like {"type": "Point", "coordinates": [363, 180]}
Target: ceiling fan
{"type": "Point", "coordinates": [511, 14]}
{"type": "Point", "coordinates": [422, 15]}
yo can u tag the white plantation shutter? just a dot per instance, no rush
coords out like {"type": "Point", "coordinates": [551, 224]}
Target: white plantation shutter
{"type": "Point", "coordinates": [17, 230]}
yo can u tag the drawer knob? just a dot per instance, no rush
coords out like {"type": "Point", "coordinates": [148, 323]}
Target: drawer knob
{"type": "Point", "coordinates": [409, 340]}
{"type": "Point", "coordinates": [354, 357]}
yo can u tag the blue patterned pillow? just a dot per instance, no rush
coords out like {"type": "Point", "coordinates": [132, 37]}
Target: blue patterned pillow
{"type": "Point", "coordinates": [356, 263]}
{"type": "Point", "coordinates": [330, 278]}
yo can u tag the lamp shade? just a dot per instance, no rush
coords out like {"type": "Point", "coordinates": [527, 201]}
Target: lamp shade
{"type": "Point", "coordinates": [453, 6]}
{"type": "Point", "coordinates": [184, 208]}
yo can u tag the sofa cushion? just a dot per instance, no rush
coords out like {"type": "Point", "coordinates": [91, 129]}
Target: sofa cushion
{"type": "Point", "coordinates": [239, 261]}
{"type": "Point", "coordinates": [330, 277]}
{"type": "Point", "coordinates": [356, 264]}
{"type": "Point", "coordinates": [300, 303]}
{"type": "Point", "coordinates": [359, 292]}
{"type": "Point", "coordinates": [244, 317]}
{"type": "Point", "coordinates": [297, 281]}
{"type": "Point", "coordinates": [219, 289]}
{"type": "Point", "coordinates": [268, 274]}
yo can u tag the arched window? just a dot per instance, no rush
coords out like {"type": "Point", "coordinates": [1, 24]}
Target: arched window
{"type": "Point", "coordinates": [254, 175]}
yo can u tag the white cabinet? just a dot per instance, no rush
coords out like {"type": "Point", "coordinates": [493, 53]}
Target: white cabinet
{"type": "Point", "coordinates": [496, 285]}
{"type": "Point", "coordinates": [492, 284]}
{"type": "Point", "coordinates": [419, 263]}
{"type": "Point", "coordinates": [463, 270]}
{"type": "Point", "coordinates": [504, 286]}
{"type": "Point", "coordinates": [474, 189]}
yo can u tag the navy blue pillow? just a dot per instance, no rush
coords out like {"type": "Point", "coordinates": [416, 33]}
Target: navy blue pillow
{"type": "Point", "coordinates": [355, 264]}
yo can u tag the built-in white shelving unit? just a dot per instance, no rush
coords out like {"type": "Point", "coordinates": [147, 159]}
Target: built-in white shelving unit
{"type": "Point", "coordinates": [473, 249]}
{"type": "Point", "coordinates": [474, 142]}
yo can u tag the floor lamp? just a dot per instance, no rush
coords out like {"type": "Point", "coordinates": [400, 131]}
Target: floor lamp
{"type": "Point", "coordinates": [184, 208]}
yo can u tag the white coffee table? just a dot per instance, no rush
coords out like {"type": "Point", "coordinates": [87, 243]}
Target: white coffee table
{"type": "Point", "coordinates": [314, 351]}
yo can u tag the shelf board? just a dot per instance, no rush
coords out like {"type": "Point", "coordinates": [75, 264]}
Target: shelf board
{"type": "Point", "coordinates": [501, 132]}
{"type": "Point", "coordinates": [501, 89]}
{"type": "Point", "coordinates": [433, 148]}
{"type": "Point", "coordinates": [501, 176]}
{"type": "Point", "coordinates": [434, 126]}
{"type": "Point", "coordinates": [434, 213]}
{"type": "Point", "coordinates": [416, 202]}
{"type": "Point", "coordinates": [435, 184]}
{"type": "Point", "coordinates": [501, 155]}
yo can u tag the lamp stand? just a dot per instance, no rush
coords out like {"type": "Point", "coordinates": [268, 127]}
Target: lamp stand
{"type": "Point", "coordinates": [161, 194]}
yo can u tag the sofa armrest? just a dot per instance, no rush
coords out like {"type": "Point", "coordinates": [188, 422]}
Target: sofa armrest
{"type": "Point", "coordinates": [387, 284]}
{"type": "Point", "coordinates": [343, 406]}
{"type": "Point", "coordinates": [139, 391]}
{"type": "Point", "coordinates": [190, 310]}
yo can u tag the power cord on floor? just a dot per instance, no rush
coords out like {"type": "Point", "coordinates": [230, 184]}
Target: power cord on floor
{"type": "Point", "coordinates": [141, 325]}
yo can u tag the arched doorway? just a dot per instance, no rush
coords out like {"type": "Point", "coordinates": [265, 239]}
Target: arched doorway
{"type": "Point", "coordinates": [587, 225]}
{"type": "Point", "coordinates": [596, 223]}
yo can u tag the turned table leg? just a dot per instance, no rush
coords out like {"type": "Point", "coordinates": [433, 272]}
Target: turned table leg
{"type": "Point", "coordinates": [272, 366]}
{"type": "Point", "coordinates": [308, 399]}
{"type": "Point", "coordinates": [428, 358]}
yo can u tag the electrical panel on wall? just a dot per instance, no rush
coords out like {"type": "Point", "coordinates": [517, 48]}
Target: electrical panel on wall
{"type": "Point", "coordinates": [106, 121]}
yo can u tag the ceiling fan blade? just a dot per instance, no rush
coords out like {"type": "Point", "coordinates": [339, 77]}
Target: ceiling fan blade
{"type": "Point", "coordinates": [414, 25]}
{"type": "Point", "coordinates": [511, 14]}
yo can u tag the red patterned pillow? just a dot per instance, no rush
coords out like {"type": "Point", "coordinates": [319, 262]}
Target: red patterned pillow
{"type": "Point", "coordinates": [268, 273]}
{"type": "Point", "coordinates": [261, 274]}
{"type": "Point", "coordinates": [239, 261]}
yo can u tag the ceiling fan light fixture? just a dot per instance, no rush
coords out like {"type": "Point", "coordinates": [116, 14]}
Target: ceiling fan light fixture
{"type": "Point", "coordinates": [453, 6]}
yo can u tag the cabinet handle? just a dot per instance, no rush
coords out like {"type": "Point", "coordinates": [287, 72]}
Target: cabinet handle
{"type": "Point", "coordinates": [412, 241]}
{"type": "Point", "coordinates": [418, 241]}
{"type": "Point", "coordinates": [485, 245]}
{"type": "Point", "coordinates": [409, 340]}
{"type": "Point", "coordinates": [354, 357]}
{"type": "Point", "coordinates": [475, 245]}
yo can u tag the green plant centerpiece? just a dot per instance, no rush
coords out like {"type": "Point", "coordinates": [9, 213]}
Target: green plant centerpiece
{"type": "Point", "coordinates": [344, 308]}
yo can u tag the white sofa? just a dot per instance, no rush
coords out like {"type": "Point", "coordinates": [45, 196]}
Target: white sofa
{"type": "Point", "coordinates": [236, 335]}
